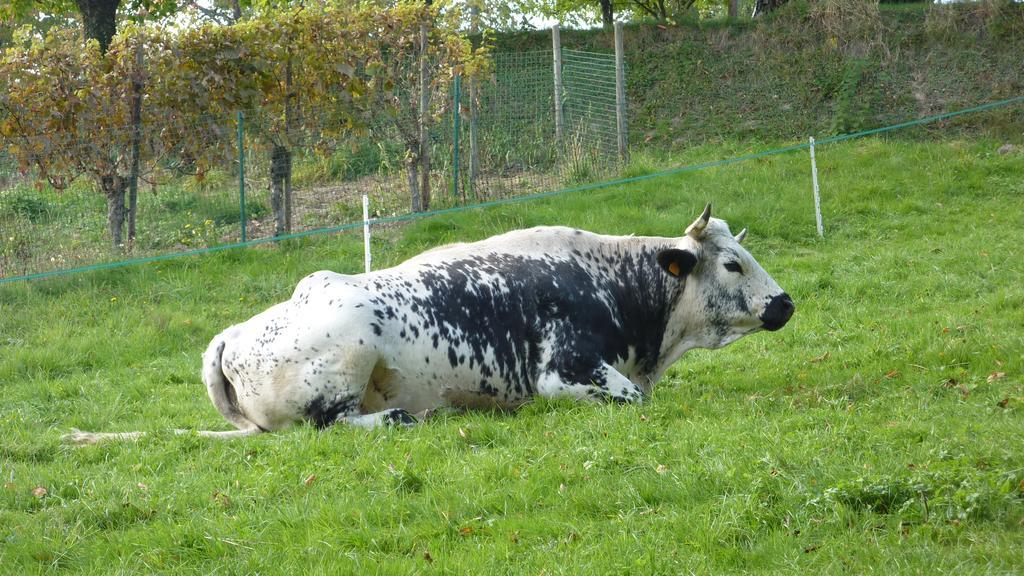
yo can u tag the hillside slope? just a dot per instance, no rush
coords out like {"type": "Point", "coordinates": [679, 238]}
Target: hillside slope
{"type": "Point", "coordinates": [814, 69]}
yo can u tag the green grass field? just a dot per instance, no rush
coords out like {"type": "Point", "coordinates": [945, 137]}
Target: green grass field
{"type": "Point", "coordinates": [882, 431]}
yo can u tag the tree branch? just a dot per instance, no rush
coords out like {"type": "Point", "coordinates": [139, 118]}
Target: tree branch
{"type": "Point", "coordinates": [217, 16]}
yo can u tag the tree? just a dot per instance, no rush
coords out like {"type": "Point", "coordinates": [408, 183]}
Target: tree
{"type": "Point", "coordinates": [305, 77]}
{"type": "Point", "coordinates": [99, 17]}
{"type": "Point", "coordinates": [397, 87]}
{"type": "Point", "coordinates": [65, 114]}
{"type": "Point", "coordinates": [765, 6]}
{"type": "Point", "coordinates": [99, 20]}
{"type": "Point", "coordinates": [586, 10]}
{"type": "Point", "coordinates": [607, 14]}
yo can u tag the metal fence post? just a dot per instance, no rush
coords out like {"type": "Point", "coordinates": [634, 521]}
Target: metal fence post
{"type": "Point", "coordinates": [241, 175]}
{"type": "Point", "coordinates": [556, 48]}
{"type": "Point", "coordinates": [424, 120]}
{"type": "Point", "coordinates": [456, 129]}
{"type": "Point", "coordinates": [620, 94]}
{"type": "Point", "coordinates": [474, 155]}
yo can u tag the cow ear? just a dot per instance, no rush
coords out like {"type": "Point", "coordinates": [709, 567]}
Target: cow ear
{"type": "Point", "coordinates": [677, 262]}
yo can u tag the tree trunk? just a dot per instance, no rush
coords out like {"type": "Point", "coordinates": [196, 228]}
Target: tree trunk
{"type": "Point", "coordinates": [136, 121]}
{"type": "Point", "coordinates": [412, 166]}
{"type": "Point", "coordinates": [236, 11]}
{"type": "Point", "coordinates": [766, 6]}
{"type": "Point", "coordinates": [734, 9]}
{"type": "Point", "coordinates": [607, 15]}
{"type": "Point", "coordinates": [114, 188]}
{"type": "Point", "coordinates": [99, 20]}
{"type": "Point", "coordinates": [280, 172]}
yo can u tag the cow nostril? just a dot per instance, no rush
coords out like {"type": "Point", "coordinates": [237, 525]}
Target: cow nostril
{"type": "Point", "coordinates": [778, 312]}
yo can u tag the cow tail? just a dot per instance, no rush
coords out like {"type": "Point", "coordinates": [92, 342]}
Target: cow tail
{"type": "Point", "coordinates": [221, 392]}
{"type": "Point", "coordinates": [220, 389]}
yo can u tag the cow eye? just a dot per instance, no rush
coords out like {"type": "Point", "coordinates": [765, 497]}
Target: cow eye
{"type": "Point", "coordinates": [733, 266]}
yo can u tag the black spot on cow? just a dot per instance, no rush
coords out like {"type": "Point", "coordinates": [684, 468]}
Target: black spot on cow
{"type": "Point", "coordinates": [398, 417]}
{"type": "Point", "coordinates": [508, 304]}
{"type": "Point", "coordinates": [322, 412]}
{"type": "Point", "coordinates": [487, 389]}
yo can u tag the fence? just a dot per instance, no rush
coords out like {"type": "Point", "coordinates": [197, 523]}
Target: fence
{"type": "Point", "coordinates": [496, 140]}
{"type": "Point", "coordinates": [503, 139]}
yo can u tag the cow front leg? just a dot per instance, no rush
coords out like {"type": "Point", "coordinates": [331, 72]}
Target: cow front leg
{"type": "Point", "coordinates": [601, 384]}
{"type": "Point", "coordinates": [346, 410]}
{"type": "Point", "coordinates": [389, 417]}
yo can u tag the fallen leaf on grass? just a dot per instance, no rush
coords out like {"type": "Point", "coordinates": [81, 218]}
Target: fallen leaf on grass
{"type": "Point", "coordinates": [309, 480]}
{"type": "Point", "coordinates": [995, 376]}
{"type": "Point", "coordinates": [427, 556]}
{"type": "Point", "coordinates": [661, 469]}
{"type": "Point", "coordinates": [142, 486]}
{"type": "Point", "coordinates": [39, 492]}
{"type": "Point", "coordinates": [954, 383]}
{"type": "Point", "coordinates": [463, 433]}
{"type": "Point", "coordinates": [1002, 404]}
{"type": "Point", "coordinates": [821, 358]}
{"type": "Point", "coordinates": [588, 464]}
{"type": "Point", "coordinates": [465, 531]}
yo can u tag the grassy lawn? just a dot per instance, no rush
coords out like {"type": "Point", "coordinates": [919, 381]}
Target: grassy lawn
{"type": "Point", "coordinates": [882, 431]}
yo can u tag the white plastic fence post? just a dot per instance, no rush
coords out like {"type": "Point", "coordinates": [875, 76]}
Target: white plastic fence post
{"type": "Point", "coordinates": [817, 196]}
{"type": "Point", "coordinates": [366, 231]}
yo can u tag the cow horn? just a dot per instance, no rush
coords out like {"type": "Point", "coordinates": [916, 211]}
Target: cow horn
{"type": "Point", "coordinates": [698, 226]}
{"type": "Point", "coordinates": [741, 236]}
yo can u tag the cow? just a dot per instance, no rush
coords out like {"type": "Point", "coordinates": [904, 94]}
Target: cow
{"type": "Point", "coordinates": [547, 311]}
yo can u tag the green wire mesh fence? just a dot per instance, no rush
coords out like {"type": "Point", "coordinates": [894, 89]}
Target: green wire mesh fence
{"type": "Point", "coordinates": [495, 143]}
{"type": "Point", "coordinates": [275, 173]}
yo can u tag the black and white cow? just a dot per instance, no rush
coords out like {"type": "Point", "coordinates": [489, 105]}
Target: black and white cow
{"type": "Point", "coordinates": [547, 311]}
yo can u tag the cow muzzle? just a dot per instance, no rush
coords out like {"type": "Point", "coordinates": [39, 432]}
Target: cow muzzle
{"type": "Point", "coordinates": [778, 312]}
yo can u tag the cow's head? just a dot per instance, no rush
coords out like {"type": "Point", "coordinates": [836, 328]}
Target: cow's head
{"type": "Point", "coordinates": [726, 294]}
